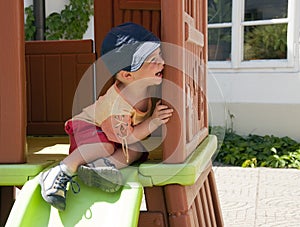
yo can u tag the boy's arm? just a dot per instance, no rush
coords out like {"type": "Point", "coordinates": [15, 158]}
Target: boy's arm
{"type": "Point", "coordinates": [118, 128]}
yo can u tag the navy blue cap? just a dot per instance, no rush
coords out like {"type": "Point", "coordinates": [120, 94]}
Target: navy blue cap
{"type": "Point", "coordinates": [126, 47]}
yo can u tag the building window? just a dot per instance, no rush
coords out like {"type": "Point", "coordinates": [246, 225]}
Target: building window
{"type": "Point", "coordinates": [219, 32]}
{"type": "Point", "coordinates": [245, 33]}
{"type": "Point", "coordinates": [265, 29]}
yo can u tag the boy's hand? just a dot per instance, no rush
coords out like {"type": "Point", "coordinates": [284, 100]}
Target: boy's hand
{"type": "Point", "coordinates": [161, 114]}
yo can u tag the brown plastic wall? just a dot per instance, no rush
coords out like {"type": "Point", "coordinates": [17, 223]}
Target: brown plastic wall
{"type": "Point", "coordinates": [194, 205]}
{"type": "Point", "coordinates": [183, 206]}
{"type": "Point", "coordinates": [53, 72]}
{"type": "Point", "coordinates": [12, 83]}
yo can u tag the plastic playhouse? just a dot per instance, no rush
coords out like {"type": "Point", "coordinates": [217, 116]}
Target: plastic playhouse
{"type": "Point", "coordinates": [177, 182]}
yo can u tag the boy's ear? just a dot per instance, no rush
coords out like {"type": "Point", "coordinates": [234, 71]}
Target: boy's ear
{"type": "Point", "coordinates": [125, 75]}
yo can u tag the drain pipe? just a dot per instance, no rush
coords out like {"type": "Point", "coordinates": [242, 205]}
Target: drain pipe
{"type": "Point", "coordinates": [39, 18]}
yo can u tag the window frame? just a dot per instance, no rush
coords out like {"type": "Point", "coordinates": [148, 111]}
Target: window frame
{"type": "Point", "coordinates": [237, 41]}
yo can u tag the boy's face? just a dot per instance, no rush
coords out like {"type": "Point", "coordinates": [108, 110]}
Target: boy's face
{"type": "Point", "coordinates": [152, 69]}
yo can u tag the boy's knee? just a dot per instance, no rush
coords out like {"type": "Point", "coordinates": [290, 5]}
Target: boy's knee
{"type": "Point", "coordinates": [109, 148]}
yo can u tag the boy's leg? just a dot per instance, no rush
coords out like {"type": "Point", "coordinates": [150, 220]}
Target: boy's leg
{"type": "Point", "coordinates": [87, 153]}
{"type": "Point", "coordinates": [54, 185]}
{"type": "Point", "coordinates": [118, 159]}
{"type": "Point", "coordinates": [103, 173]}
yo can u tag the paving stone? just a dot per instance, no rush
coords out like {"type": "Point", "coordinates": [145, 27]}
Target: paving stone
{"type": "Point", "coordinates": [259, 196]}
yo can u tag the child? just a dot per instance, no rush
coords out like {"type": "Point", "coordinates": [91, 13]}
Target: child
{"type": "Point", "coordinates": [105, 136]}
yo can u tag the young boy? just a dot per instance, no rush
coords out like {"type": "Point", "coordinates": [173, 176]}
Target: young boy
{"type": "Point", "coordinates": [105, 136]}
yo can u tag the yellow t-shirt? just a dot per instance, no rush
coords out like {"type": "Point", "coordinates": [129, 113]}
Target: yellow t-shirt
{"type": "Point", "coordinates": [114, 115]}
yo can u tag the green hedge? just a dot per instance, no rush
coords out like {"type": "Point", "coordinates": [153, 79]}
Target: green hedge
{"type": "Point", "coordinates": [257, 151]}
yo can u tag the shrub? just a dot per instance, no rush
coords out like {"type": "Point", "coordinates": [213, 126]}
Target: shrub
{"type": "Point", "coordinates": [70, 23]}
{"type": "Point", "coordinates": [258, 151]}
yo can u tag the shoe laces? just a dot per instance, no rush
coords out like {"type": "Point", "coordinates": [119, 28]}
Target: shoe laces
{"type": "Point", "coordinates": [62, 181]}
{"type": "Point", "coordinates": [123, 133]}
{"type": "Point", "coordinates": [108, 163]}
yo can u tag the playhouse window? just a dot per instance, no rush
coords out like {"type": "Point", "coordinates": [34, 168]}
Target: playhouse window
{"type": "Point", "coordinates": [251, 33]}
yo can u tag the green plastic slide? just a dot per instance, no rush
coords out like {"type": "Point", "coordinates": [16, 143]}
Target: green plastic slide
{"type": "Point", "coordinates": [90, 207]}
{"type": "Point", "coordinates": [93, 207]}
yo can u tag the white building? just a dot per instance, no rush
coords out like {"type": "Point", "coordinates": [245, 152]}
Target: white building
{"type": "Point", "coordinates": [261, 89]}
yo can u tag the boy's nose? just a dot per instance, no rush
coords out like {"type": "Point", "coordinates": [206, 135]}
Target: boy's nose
{"type": "Point", "coordinates": [160, 60]}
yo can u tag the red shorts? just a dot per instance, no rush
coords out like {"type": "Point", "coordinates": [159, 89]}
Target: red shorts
{"type": "Point", "coordinates": [81, 132]}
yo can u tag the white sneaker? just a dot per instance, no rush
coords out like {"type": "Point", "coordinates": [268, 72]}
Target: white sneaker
{"type": "Point", "coordinates": [107, 177]}
{"type": "Point", "coordinates": [54, 184]}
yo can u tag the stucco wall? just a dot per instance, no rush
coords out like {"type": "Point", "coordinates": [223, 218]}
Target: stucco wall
{"type": "Point", "coordinates": [260, 103]}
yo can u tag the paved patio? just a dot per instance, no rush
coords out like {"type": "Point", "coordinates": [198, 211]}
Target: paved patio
{"type": "Point", "coordinates": [259, 196]}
